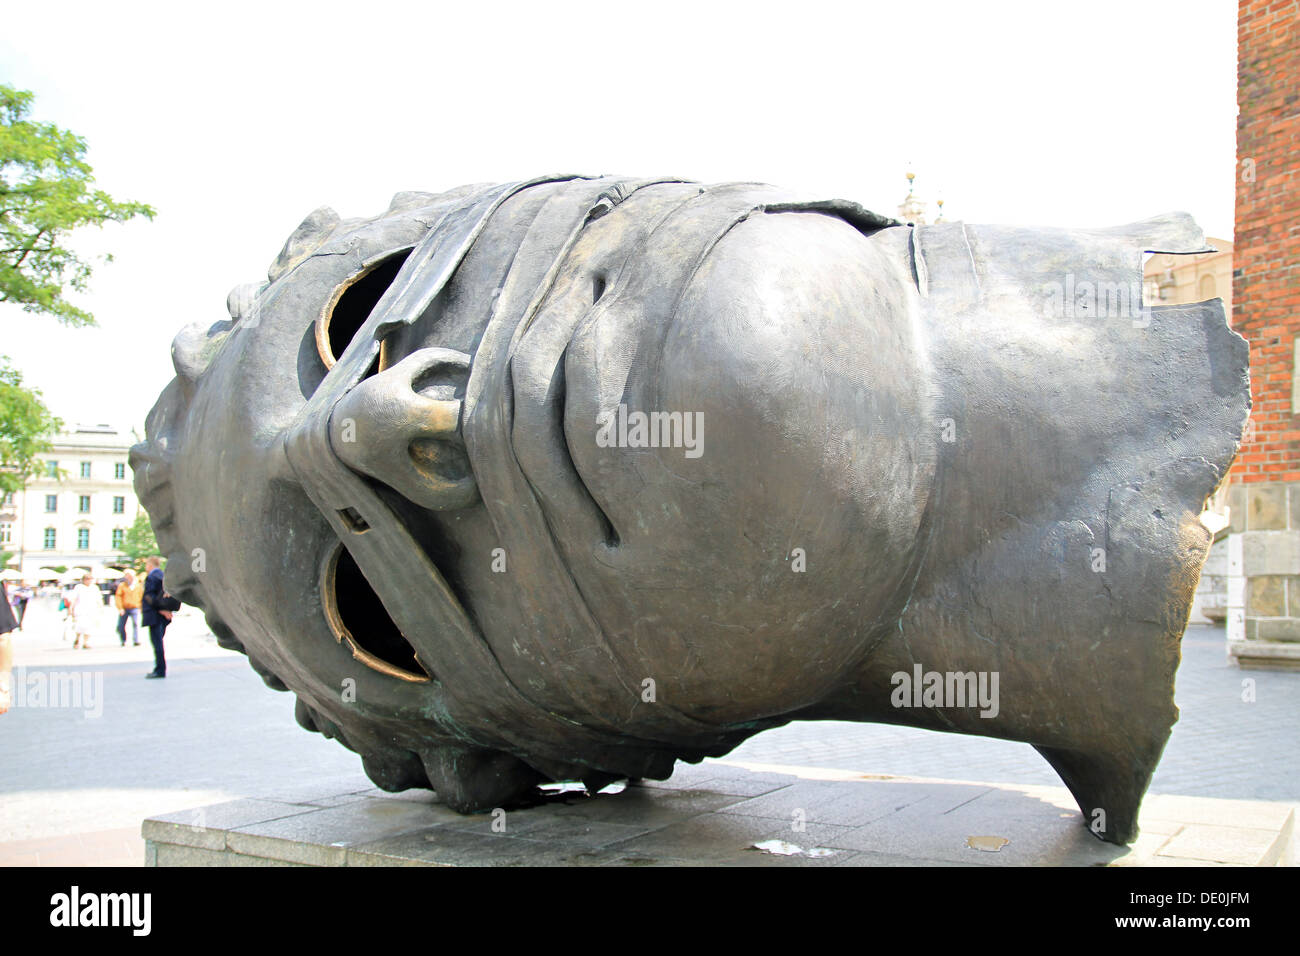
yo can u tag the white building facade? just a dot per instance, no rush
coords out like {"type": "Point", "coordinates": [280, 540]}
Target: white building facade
{"type": "Point", "coordinates": [77, 512]}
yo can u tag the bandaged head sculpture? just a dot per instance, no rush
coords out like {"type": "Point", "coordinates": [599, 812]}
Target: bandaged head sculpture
{"type": "Point", "coordinates": [572, 478]}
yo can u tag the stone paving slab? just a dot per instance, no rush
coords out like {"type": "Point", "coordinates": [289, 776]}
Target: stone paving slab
{"type": "Point", "coordinates": [121, 847]}
{"type": "Point", "coordinates": [758, 815]}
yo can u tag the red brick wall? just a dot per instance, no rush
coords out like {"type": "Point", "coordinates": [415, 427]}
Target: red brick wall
{"type": "Point", "coordinates": [1266, 254]}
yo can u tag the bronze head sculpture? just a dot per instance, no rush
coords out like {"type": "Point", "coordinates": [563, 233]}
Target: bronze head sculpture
{"type": "Point", "coordinates": [571, 478]}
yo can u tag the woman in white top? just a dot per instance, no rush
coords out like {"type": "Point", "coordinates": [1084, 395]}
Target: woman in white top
{"type": "Point", "coordinates": [84, 606]}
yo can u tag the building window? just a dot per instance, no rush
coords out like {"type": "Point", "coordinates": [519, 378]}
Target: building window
{"type": "Point", "coordinates": [50, 539]}
{"type": "Point", "coordinates": [51, 469]}
{"type": "Point", "coordinates": [6, 532]}
{"type": "Point", "coordinates": [8, 498]}
{"type": "Point", "coordinates": [85, 469]}
{"type": "Point", "coordinates": [119, 505]}
{"type": "Point", "coordinates": [51, 504]}
{"type": "Point", "coordinates": [119, 470]}
{"type": "Point", "coordinates": [83, 504]}
{"type": "Point", "coordinates": [83, 539]}
{"type": "Point", "coordinates": [119, 535]}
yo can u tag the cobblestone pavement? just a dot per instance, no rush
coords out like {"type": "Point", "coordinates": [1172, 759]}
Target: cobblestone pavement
{"type": "Point", "coordinates": [75, 784]}
{"type": "Point", "coordinates": [210, 731]}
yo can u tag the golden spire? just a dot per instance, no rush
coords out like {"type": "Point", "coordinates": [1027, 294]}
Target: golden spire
{"type": "Point", "coordinates": [912, 209]}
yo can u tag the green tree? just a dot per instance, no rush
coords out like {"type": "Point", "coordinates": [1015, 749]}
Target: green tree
{"type": "Point", "coordinates": [46, 191]}
{"type": "Point", "coordinates": [139, 543]}
{"type": "Point", "coordinates": [25, 424]}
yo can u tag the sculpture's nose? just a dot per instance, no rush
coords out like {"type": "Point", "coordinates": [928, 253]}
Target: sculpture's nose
{"type": "Point", "coordinates": [402, 427]}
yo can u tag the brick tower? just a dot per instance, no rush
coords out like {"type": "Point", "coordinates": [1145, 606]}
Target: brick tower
{"type": "Point", "coordinates": [1263, 619]}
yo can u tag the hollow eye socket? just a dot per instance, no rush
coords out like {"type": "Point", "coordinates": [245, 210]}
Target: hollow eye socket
{"type": "Point", "coordinates": [359, 620]}
{"type": "Point", "coordinates": [351, 304]}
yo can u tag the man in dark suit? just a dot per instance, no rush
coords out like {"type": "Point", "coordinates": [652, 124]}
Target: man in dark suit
{"type": "Point", "coordinates": [156, 607]}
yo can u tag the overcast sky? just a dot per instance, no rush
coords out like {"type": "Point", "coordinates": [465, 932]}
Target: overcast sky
{"type": "Point", "coordinates": [236, 120]}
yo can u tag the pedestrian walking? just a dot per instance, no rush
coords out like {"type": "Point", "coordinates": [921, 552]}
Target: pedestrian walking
{"type": "Point", "coordinates": [156, 607]}
{"type": "Point", "coordinates": [127, 597]}
{"type": "Point", "coordinates": [66, 617]}
{"type": "Point", "coordinates": [7, 623]}
{"type": "Point", "coordinates": [83, 607]}
{"type": "Point", "coordinates": [22, 595]}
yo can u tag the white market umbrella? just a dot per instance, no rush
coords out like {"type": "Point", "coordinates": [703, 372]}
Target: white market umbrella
{"type": "Point", "coordinates": [9, 574]}
{"type": "Point", "coordinates": [46, 574]}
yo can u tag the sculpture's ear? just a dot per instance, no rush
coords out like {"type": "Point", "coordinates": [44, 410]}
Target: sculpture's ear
{"type": "Point", "coordinates": [411, 200]}
{"type": "Point", "coordinates": [241, 303]}
{"type": "Point", "coordinates": [197, 344]}
{"type": "Point", "coordinates": [402, 427]}
{"type": "Point", "coordinates": [306, 239]}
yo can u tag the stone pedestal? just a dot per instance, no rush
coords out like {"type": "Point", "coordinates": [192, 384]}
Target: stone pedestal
{"type": "Point", "coordinates": [1210, 606]}
{"type": "Point", "coordinates": [725, 813]}
{"type": "Point", "coordinates": [1263, 622]}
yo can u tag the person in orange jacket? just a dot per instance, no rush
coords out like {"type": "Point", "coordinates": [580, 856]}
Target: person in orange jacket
{"type": "Point", "coordinates": [127, 598]}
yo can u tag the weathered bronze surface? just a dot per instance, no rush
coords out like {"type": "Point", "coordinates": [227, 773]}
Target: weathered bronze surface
{"type": "Point", "coordinates": [573, 478]}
